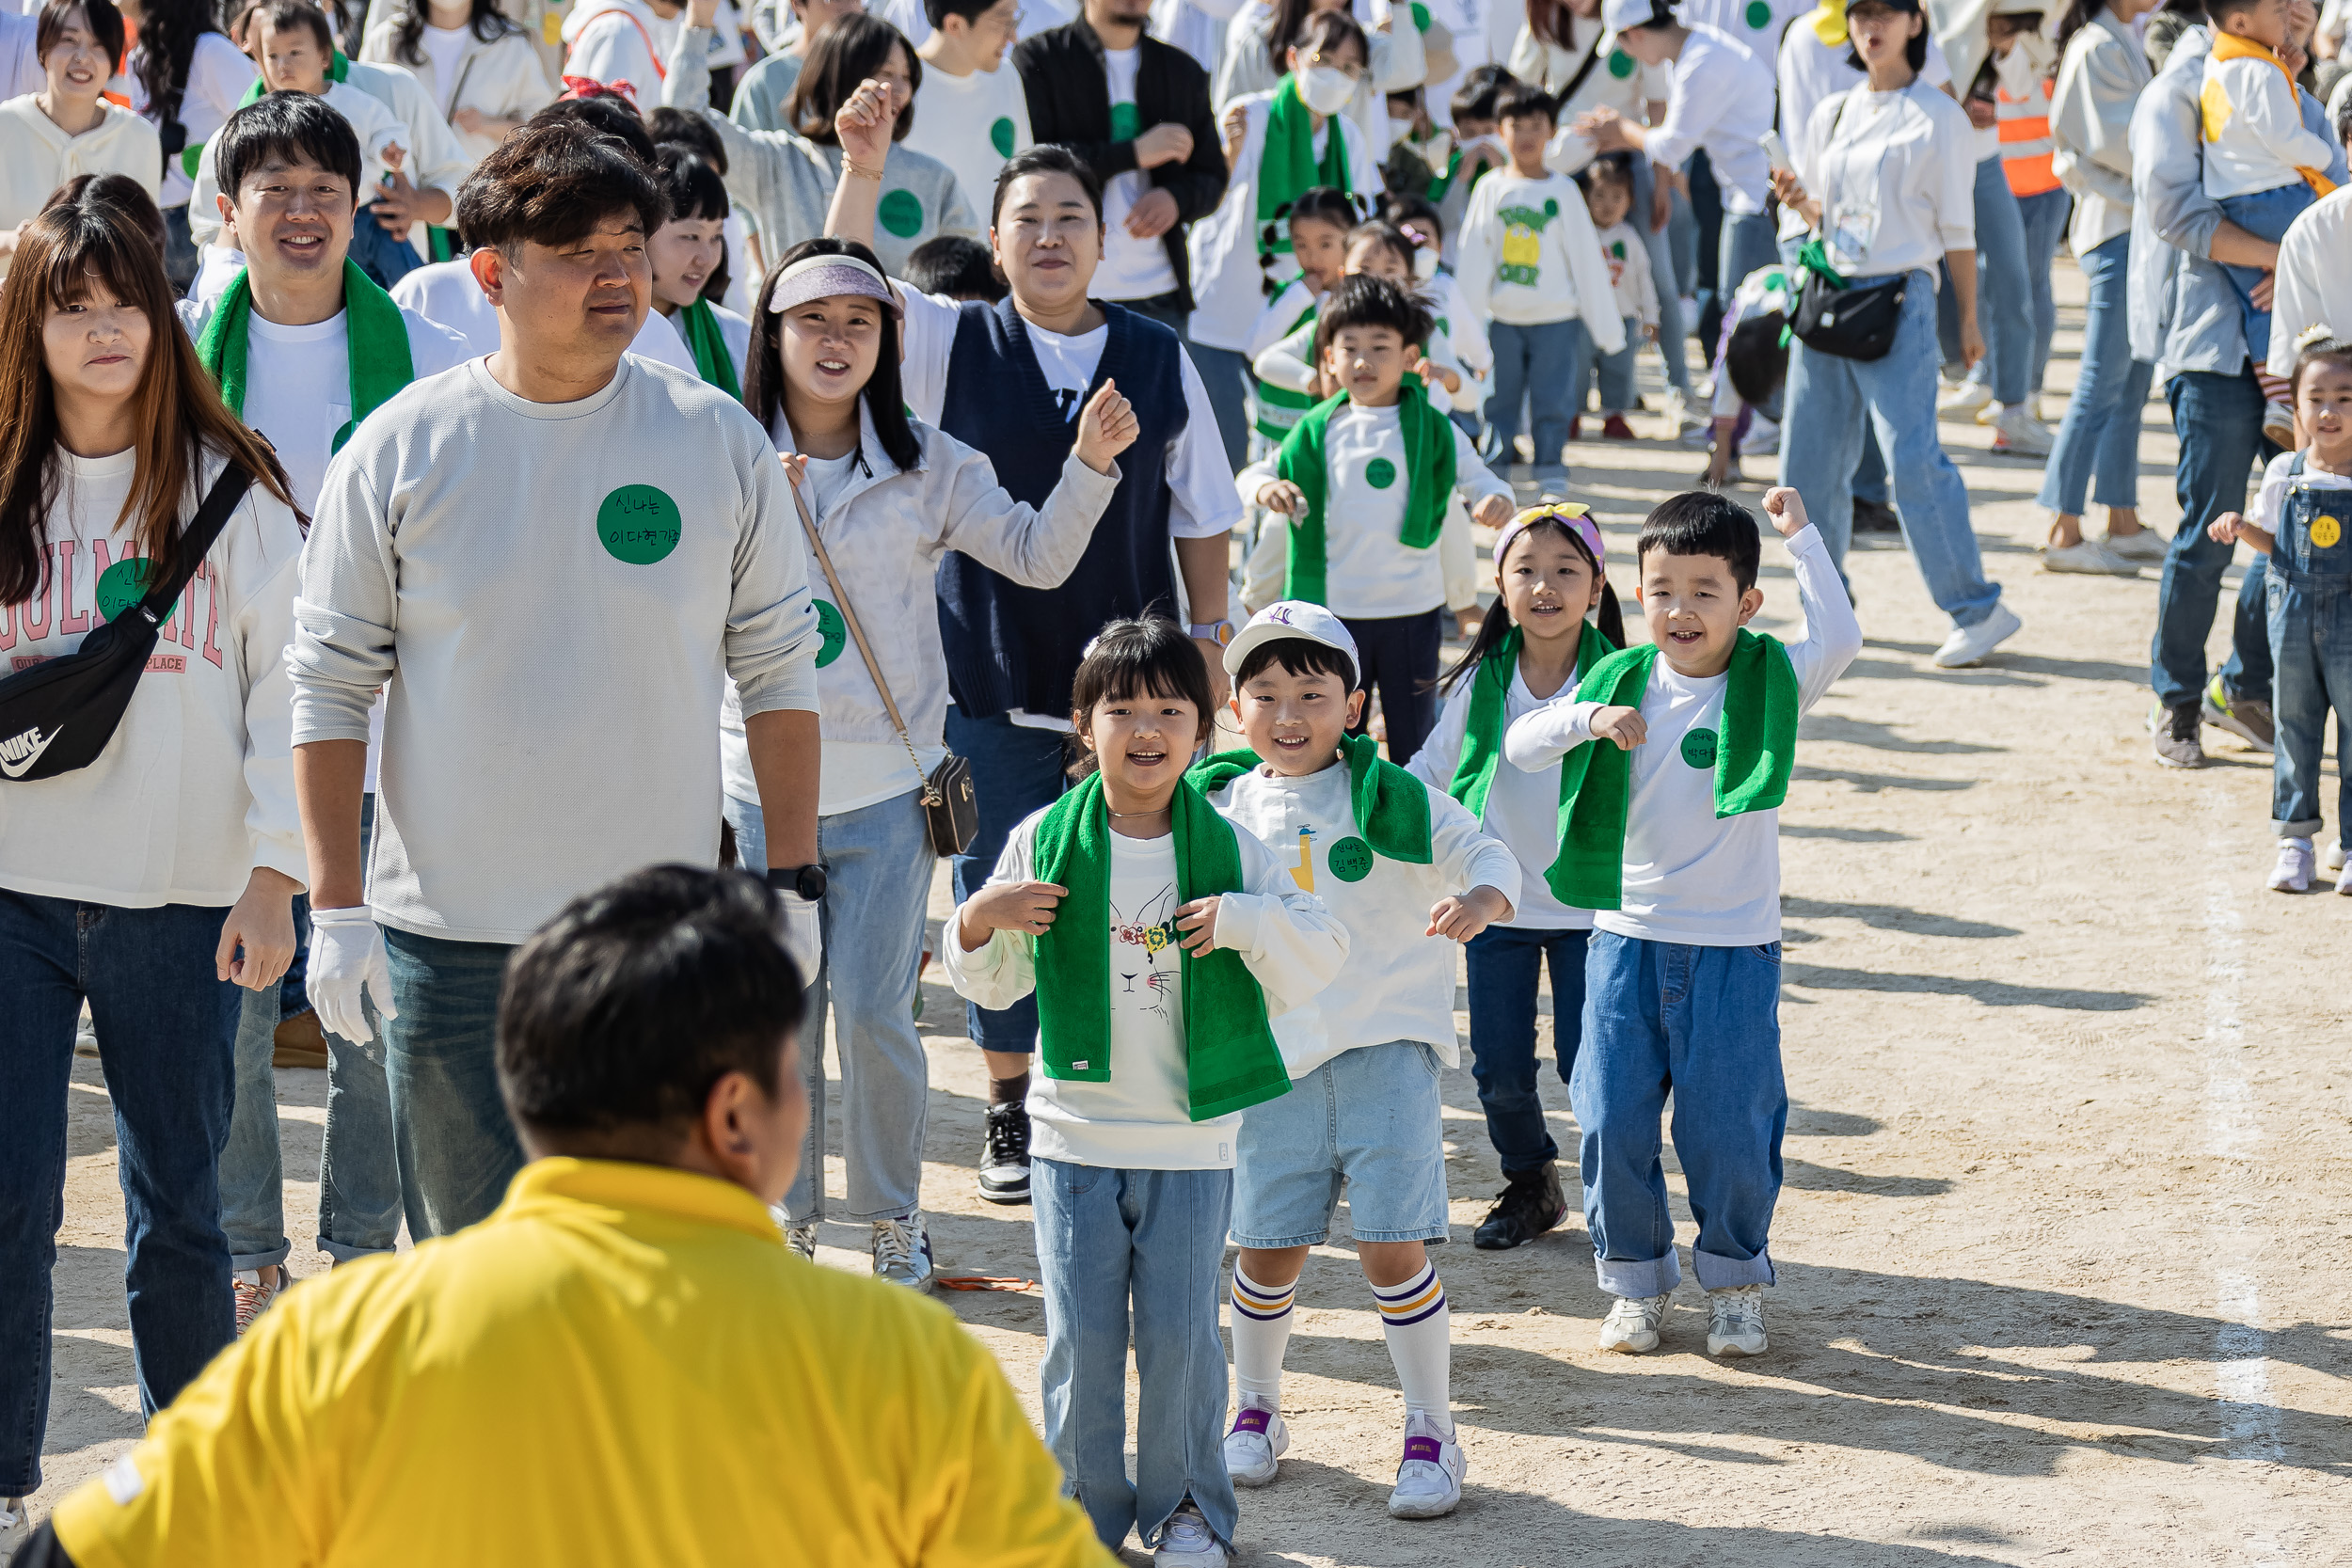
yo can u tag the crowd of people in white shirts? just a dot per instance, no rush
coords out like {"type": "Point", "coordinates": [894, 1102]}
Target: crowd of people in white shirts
{"type": "Point", "coordinates": [1325, 289]}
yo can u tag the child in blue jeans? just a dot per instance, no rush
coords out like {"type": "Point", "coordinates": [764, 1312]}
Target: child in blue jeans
{"type": "Point", "coordinates": [1159, 940]}
{"type": "Point", "coordinates": [1554, 620]}
{"type": "Point", "coordinates": [1675, 758]}
{"type": "Point", "coordinates": [2299, 522]}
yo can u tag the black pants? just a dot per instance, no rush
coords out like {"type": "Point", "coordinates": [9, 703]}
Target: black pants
{"type": "Point", "coordinates": [1399, 655]}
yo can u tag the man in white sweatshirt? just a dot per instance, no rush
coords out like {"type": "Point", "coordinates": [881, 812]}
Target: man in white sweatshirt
{"type": "Point", "coordinates": [555, 556]}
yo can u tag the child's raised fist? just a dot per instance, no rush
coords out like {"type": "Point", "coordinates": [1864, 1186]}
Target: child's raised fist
{"type": "Point", "coordinates": [1621, 725]}
{"type": "Point", "coordinates": [1786, 508]}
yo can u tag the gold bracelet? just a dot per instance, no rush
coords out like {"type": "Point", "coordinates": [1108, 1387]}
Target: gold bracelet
{"type": "Point", "coordinates": [873, 174]}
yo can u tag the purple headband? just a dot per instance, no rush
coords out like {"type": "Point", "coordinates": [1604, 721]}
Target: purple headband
{"type": "Point", "coordinates": [1574, 517]}
{"type": "Point", "coordinates": [824, 275]}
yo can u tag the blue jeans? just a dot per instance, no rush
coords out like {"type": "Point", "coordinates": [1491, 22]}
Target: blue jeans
{"type": "Point", "coordinates": [1150, 1243]}
{"type": "Point", "coordinates": [165, 1031]}
{"type": "Point", "coordinates": [1748, 243]}
{"type": "Point", "coordinates": [2044, 218]}
{"type": "Point", "coordinates": [1615, 372]}
{"type": "Point", "coordinates": [2310, 638]}
{"type": "Point", "coordinates": [1870, 478]}
{"type": "Point", "coordinates": [1014, 771]}
{"type": "Point", "coordinates": [2005, 300]}
{"type": "Point", "coordinates": [1705, 1022]}
{"type": "Point", "coordinates": [1821, 447]}
{"type": "Point", "coordinates": [2267, 215]}
{"type": "Point", "coordinates": [1505, 962]}
{"type": "Point", "coordinates": [1538, 363]}
{"type": "Point", "coordinates": [457, 1147]}
{"type": "Point", "coordinates": [2098, 446]}
{"type": "Point", "coordinates": [878, 883]}
{"type": "Point", "coordinates": [1671, 329]}
{"type": "Point", "coordinates": [1225, 376]}
{"type": "Point", "coordinates": [2218, 419]}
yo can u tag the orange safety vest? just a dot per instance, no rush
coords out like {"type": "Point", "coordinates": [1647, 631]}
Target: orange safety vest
{"type": "Point", "coordinates": [2025, 132]}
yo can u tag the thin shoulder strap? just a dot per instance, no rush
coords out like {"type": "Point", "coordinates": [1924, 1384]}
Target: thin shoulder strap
{"type": "Point", "coordinates": [196, 539]}
{"type": "Point", "coordinates": [857, 632]}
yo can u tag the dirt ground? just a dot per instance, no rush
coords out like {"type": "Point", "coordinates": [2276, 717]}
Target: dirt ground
{"type": "Point", "coordinates": [2062, 1248]}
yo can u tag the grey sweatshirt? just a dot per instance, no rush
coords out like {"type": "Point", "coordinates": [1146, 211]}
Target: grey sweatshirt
{"type": "Point", "coordinates": [558, 594]}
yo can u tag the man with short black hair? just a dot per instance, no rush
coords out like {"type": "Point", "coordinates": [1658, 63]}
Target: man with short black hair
{"type": "Point", "coordinates": [557, 556]}
{"type": "Point", "coordinates": [625, 1364]}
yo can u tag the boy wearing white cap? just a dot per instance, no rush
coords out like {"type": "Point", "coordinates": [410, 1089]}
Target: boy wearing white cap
{"type": "Point", "coordinates": [1379, 848]}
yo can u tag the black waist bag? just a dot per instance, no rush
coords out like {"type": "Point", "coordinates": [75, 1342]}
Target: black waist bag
{"type": "Point", "coordinates": [1852, 321]}
{"type": "Point", "coordinates": [58, 715]}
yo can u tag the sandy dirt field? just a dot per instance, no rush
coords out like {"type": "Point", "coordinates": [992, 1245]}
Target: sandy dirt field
{"type": "Point", "coordinates": [2063, 1249]}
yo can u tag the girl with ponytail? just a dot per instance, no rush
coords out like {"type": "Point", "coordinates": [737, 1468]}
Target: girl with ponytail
{"type": "Point", "coordinates": [1556, 618]}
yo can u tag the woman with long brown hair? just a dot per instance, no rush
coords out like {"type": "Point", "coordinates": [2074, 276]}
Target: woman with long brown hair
{"type": "Point", "coordinates": [155, 880]}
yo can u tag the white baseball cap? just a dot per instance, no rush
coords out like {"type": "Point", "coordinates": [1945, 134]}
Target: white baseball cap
{"type": "Point", "coordinates": [1291, 618]}
{"type": "Point", "coordinates": [1619, 15]}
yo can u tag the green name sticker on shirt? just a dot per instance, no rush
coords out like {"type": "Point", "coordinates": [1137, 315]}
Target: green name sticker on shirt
{"type": "Point", "coordinates": [831, 631]}
{"type": "Point", "coordinates": [638, 524]}
{"type": "Point", "coordinates": [1126, 122]}
{"type": "Point", "coordinates": [1620, 64]}
{"type": "Point", "coordinates": [123, 585]}
{"type": "Point", "coordinates": [1380, 473]}
{"type": "Point", "coordinates": [1350, 860]}
{"type": "Point", "coordinates": [900, 214]}
{"type": "Point", "coordinates": [1758, 15]}
{"type": "Point", "coordinates": [1698, 748]}
{"type": "Point", "coordinates": [1000, 135]}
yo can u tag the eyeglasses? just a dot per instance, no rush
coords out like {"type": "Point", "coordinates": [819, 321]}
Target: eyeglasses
{"type": "Point", "coordinates": [1353, 72]}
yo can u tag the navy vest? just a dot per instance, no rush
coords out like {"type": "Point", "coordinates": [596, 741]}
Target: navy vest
{"type": "Point", "coordinates": [1014, 647]}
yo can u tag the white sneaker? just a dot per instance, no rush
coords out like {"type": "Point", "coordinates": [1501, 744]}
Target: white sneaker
{"type": "Point", "coordinates": [1735, 1320]}
{"type": "Point", "coordinates": [1255, 1447]}
{"type": "Point", "coordinates": [2088, 558]}
{"type": "Point", "coordinates": [1762, 439]}
{"type": "Point", "coordinates": [2335, 856]}
{"type": "Point", "coordinates": [1187, 1541]}
{"type": "Point", "coordinates": [902, 1251]}
{"type": "Point", "coordinates": [1961, 401]}
{"type": "Point", "coordinates": [12, 1513]}
{"type": "Point", "coordinates": [1969, 644]}
{"type": "Point", "coordinates": [801, 1238]}
{"type": "Point", "coordinates": [2017, 434]}
{"type": "Point", "coordinates": [1632, 1323]}
{"type": "Point", "coordinates": [2292, 874]}
{"type": "Point", "coordinates": [2146, 546]}
{"type": "Point", "coordinates": [1678, 411]}
{"type": "Point", "coordinates": [1429, 1477]}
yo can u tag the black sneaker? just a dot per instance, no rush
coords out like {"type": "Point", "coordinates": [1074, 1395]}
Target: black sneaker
{"type": "Point", "coordinates": [1530, 1205]}
{"type": "Point", "coordinates": [1875, 517]}
{"type": "Point", "coordinates": [1005, 1155]}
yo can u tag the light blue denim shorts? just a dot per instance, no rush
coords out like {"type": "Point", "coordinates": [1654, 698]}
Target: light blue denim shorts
{"type": "Point", "coordinates": [1367, 1122]}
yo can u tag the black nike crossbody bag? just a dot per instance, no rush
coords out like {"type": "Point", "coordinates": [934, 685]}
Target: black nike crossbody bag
{"type": "Point", "coordinates": [58, 715]}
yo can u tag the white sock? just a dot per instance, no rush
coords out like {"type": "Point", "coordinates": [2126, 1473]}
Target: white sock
{"type": "Point", "coordinates": [1418, 1326]}
{"type": "Point", "coordinates": [1262, 1332]}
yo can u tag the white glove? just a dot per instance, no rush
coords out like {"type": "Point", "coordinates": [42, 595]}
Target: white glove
{"type": "Point", "coordinates": [803, 936]}
{"type": "Point", "coordinates": [347, 959]}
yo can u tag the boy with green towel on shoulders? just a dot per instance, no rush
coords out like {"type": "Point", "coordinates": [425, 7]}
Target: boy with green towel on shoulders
{"type": "Point", "coordinates": [1670, 834]}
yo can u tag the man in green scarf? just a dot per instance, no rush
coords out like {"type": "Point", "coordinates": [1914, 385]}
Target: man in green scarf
{"type": "Point", "coordinates": [1674, 757]}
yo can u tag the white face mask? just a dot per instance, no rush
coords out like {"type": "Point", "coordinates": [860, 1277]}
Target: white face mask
{"type": "Point", "coordinates": [1325, 89]}
{"type": "Point", "coordinates": [1425, 262]}
{"type": "Point", "coordinates": [1399, 130]}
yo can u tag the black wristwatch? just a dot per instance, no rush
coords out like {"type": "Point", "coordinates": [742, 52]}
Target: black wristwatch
{"type": "Point", "coordinates": [806, 880]}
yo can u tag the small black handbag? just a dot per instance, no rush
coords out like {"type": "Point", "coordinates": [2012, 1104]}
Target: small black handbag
{"type": "Point", "coordinates": [1850, 321]}
{"type": "Point", "coordinates": [58, 715]}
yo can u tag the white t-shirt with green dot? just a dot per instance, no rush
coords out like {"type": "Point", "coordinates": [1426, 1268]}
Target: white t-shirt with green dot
{"type": "Point", "coordinates": [972, 124]}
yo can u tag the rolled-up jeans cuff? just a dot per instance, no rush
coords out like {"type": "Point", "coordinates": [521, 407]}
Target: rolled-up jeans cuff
{"type": "Point", "coordinates": [343, 1253]}
{"type": "Point", "coordinates": [2300, 830]}
{"type": "Point", "coordinates": [1718, 1272]}
{"type": "Point", "coordinates": [1656, 1276]}
{"type": "Point", "coordinates": [241, 1262]}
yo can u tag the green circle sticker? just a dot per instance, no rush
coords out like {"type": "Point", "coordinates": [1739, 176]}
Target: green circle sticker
{"type": "Point", "coordinates": [1620, 64]}
{"type": "Point", "coordinates": [1380, 473]}
{"type": "Point", "coordinates": [1758, 15]}
{"type": "Point", "coordinates": [1420, 16]}
{"type": "Point", "coordinates": [638, 524]}
{"type": "Point", "coordinates": [833, 632]}
{"type": "Point", "coordinates": [1000, 135]}
{"type": "Point", "coordinates": [123, 585]}
{"type": "Point", "coordinates": [1126, 122]}
{"type": "Point", "coordinates": [900, 214]}
{"type": "Point", "coordinates": [1350, 860]}
{"type": "Point", "coordinates": [1698, 748]}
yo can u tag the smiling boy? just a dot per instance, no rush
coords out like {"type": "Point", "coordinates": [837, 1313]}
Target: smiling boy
{"type": "Point", "coordinates": [1406, 870]}
{"type": "Point", "coordinates": [1670, 835]}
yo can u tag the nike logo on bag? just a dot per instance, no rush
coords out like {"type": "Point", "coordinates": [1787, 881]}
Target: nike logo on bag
{"type": "Point", "coordinates": [19, 752]}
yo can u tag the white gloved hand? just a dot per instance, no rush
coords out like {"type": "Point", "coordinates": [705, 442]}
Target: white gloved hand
{"type": "Point", "coordinates": [346, 960]}
{"type": "Point", "coordinates": [803, 936]}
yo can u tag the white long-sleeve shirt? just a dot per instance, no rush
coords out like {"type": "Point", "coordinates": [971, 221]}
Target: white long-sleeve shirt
{"type": "Point", "coordinates": [556, 594]}
{"type": "Point", "coordinates": [1138, 1118]}
{"type": "Point", "coordinates": [1895, 175]}
{"type": "Point", "coordinates": [1528, 255]}
{"type": "Point", "coordinates": [1722, 101]}
{"type": "Point", "coordinates": [1690, 876]}
{"type": "Point", "coordinates": [1397, 983]}
{"type": "Point", "coordinates": [2255, 139]}
{"type": "Point", "coordinates": [2313, 283]}
{"type": "Point", "coordinates": [195, 788]}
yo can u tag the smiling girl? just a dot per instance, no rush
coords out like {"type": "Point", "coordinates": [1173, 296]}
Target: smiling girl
{"type": "Point", "coordinates": [688, 253]}
{"type": "Point", "coordinates": [886, 495]}
{"type": "Point", "coordinates": [1158, 938]}
{"type": "Point", "coordinates": [67, 128]}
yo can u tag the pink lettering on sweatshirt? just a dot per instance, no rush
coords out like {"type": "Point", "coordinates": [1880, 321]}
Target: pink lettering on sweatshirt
{"type": "Point", "coordinates": [79, 620]}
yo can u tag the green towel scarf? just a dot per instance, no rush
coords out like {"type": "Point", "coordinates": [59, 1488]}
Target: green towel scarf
{"type": "Point", "coordinates": [1231, 1062]}
{"type": "Point", "coordinates": [1429, 478]}
{"type": "Point", "coordinates": [1391, 806]}
{"type": "Point", "coordinates": [699, 326]}
{"type": "Point", "coordinates": [1287, 167]}
{"type": "Point", "coordinates": [376, 339]}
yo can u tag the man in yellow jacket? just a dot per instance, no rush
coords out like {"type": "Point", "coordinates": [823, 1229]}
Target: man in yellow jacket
{"type": "Point", "coordinates": [623, 1363]}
